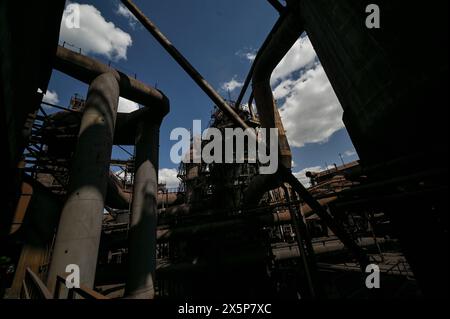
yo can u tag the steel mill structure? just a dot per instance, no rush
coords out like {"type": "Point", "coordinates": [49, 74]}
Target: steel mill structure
{"type": "Point", "coordinates": [226, 231]}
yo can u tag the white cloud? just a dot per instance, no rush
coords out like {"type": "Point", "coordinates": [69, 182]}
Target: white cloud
{"type": "Point", "coordinates": [127, 106]}
{"type": "Point", "coordinates": [169, 177]}
{"type": "Point", "coordinates": [311, 112]}
{"type": "Point", "coordinates": [309, 108]}
{"type": "Point", "coordinates": [51, 97]}
{"type": "Point", "coordinates": [283, 89]}
{"type": "Point", "coordinates": [301, 55]}
{"type": "Point", "coordinates": [248, 54]}
{"type": "Point", "coordinates": [301, 175]}
{"type": "Point", "coordinates": [95, 34]}
{"type": "Point", "coordinates": [124, 12]}
{"type": "Point", "coordinates": [232, 85]}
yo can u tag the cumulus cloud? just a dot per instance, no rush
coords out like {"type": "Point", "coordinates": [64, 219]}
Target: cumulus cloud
{"type": "Point", "coordinates": [232, 85]}
{"type": "Point", "coordinates": [95, 34]}
{"type": "Point", "coordinates": [124, 12]}
{"type": "Point", "coordinates": [51, 97]}
{"type": "Point", "coordinates": [301, 55]}
{"type": "Point", "coordinates": [248, 54]}
{"type": "Point", "coordinates": [301, 175]}
{"type": "Point", "coordinates": [309, 108]}
{"type": "Point", "coordinates": [169, 177]}
{"type": "Point", "coordinates": [284, 89]}
{"type": "Point", "coordinates": [127, 106]}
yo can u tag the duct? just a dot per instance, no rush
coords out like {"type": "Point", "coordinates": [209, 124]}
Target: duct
{"type": "Point", "coordinates": [86, 69]}
{"type": "Point", "coordinates": [142, 235]}
{"type": "Point", "coordinates": [78, 236]}
{"type": "Point", "coordinates": [281, 41]}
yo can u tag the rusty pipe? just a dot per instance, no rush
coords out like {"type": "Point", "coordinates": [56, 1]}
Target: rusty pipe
{"type": "Point", "coordinates": [279, 44]}
{"type": "Point", "coordinates": [86, 69]}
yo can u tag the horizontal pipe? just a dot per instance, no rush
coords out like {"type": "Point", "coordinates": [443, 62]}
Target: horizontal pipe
{"type": "Point", "coordinates": [86, 69]}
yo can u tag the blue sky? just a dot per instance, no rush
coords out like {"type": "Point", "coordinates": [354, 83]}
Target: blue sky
{"type": "Point", "coordinates": [219, 38]}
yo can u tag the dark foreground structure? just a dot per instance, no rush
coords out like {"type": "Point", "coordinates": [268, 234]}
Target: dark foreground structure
{"type": "Point", "coordinates": [228, 231]}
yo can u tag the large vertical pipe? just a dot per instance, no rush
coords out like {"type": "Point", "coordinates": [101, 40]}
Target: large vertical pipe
{"type": "Point", "coordinates": [279, 44]}
{"type": "Point", "coordinates": [78, 235]}
{"type": "Point", "coordinates": [282, 39]}
{"type": "Point", "coordinates": [142, 236]}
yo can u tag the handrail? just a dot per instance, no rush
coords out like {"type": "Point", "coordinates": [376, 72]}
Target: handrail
{"type": "Point", "coordinates": [33, 287]}
{"type": "Point", "coordinates": [82, 291]}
